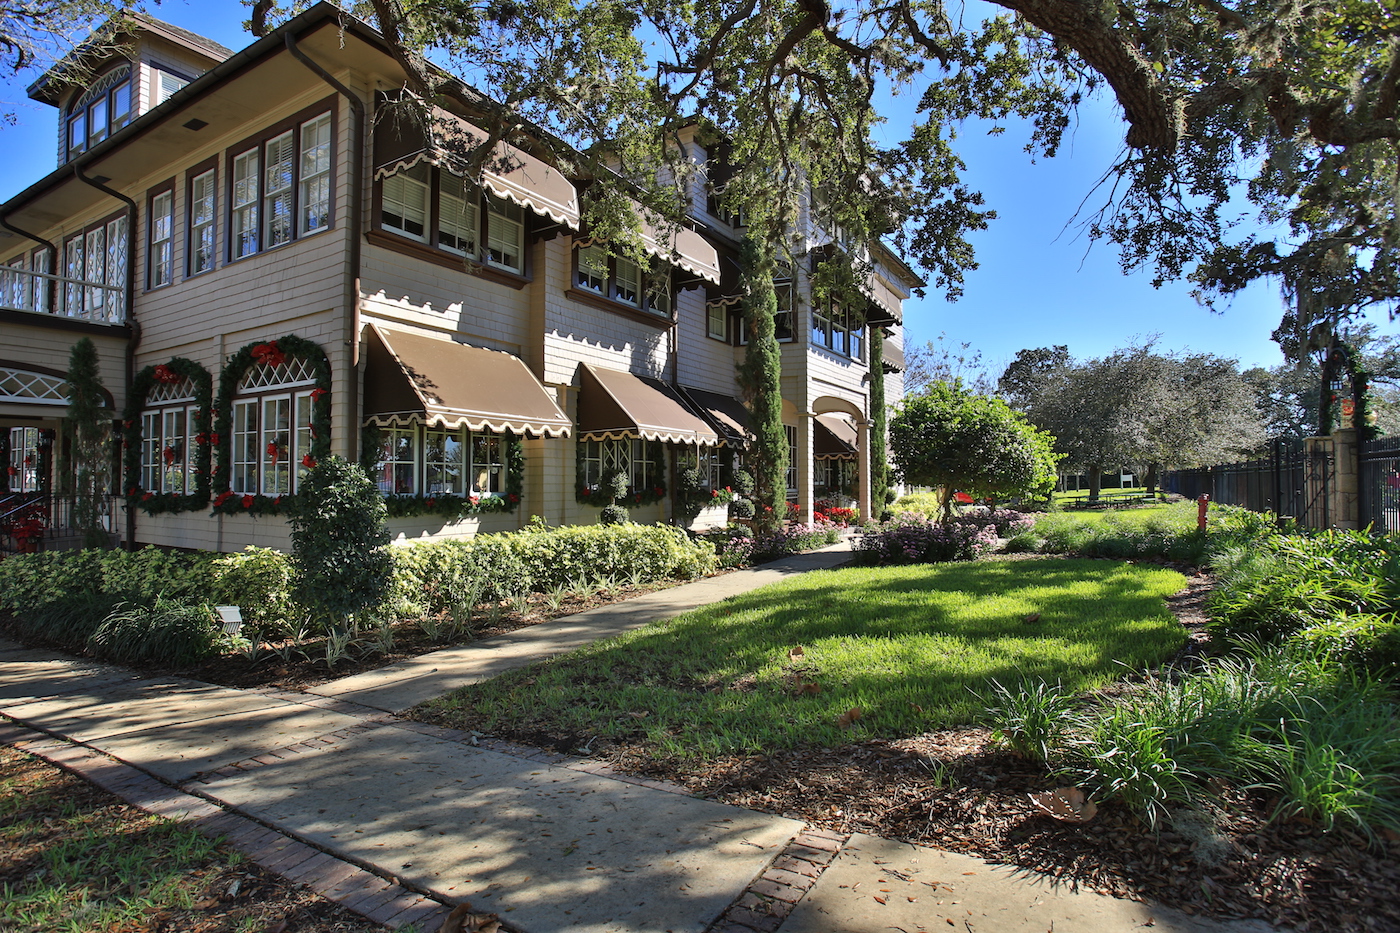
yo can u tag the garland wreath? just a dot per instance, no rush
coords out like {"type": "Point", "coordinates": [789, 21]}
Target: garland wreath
{"type": "Point", "coordinates": [150, 501]}
{"type": "Point", "coordinates": [272, 353]}
{"type": "Point", "coordinates": [449, 505]}
{"type": "Point", "coordinates": [598, 497]}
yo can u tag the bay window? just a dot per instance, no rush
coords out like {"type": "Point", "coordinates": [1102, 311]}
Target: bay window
{"type": "Point", "coordinates": [434, 461]}
{"type": "Point", "coordinates": [839, 329]}
{"type": "Point", "coordinates": [102, 110]}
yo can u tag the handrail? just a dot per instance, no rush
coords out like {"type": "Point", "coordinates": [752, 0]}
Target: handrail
{"type": "Point", "coordinates": [10, 277]}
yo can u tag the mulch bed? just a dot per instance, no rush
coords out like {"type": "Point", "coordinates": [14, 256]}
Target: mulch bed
{"type": "Point", "coordinates": [237, 898]}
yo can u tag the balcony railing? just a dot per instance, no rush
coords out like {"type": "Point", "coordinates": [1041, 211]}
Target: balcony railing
{"type": "Point", "coordinates": [61, 296]}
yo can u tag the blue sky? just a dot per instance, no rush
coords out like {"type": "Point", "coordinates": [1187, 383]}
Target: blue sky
{"type": "Point", "coordinates": [1039, 283]}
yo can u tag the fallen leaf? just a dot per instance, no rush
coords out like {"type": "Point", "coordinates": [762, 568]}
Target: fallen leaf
{"type": "Point", "coordinates": [462, 920]}
{"type": "Point", "coordinates": [640, 714]}
{"type": "Point", "coordinates": [796, 654]}
{"type": "Point", "coordinates": [879, 900]}
{"type": "Point", "coordinates": [848, 717]}
{"type": "Point", "coordinates": [1067, 804]}
{"type": "Point", "coordinates": [1033, 617]}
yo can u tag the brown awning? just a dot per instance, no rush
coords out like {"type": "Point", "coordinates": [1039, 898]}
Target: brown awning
{"type": "Point", "coordinates": [892, 356]}
{"type": "Point", "coordinates": [510, 172]}
{"type": "Point", "coordinates": [834, 438]}
{"type": "Point", "coordinates": [613, 405]}
{"type": "Point", "coordinates": [728, 415]}
{"type": "Point", "coordinates": [413, 379]}
{"type": "Point", "coordinates": [886, 305]}
{"type": "Point", "coordinates": [683, 248]}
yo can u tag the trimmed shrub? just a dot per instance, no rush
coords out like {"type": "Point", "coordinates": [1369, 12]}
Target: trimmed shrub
{"type": "Point", "coordinates": [792, 539]}
{"type": "Point", "coordinates": [912, 540]}
{"type": "Point", "coordinates": [258, 581]}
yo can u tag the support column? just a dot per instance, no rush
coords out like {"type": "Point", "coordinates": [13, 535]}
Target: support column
{"type": "Point", "coordinates": [1346, 480]}
{"type": "Point", "coordinates": [863, 470]}
{"type": "Point", "coordinates": [806, 485]}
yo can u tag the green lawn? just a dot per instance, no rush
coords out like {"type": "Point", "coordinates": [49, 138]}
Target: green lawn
{"type": "Point", "coordinates": [909, 646]}
{"type": "Point", "coordinates": [1178, 516]}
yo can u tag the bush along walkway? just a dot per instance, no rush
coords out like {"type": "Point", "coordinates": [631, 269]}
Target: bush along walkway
{"type": "Point", "coordinates": [402, 820]}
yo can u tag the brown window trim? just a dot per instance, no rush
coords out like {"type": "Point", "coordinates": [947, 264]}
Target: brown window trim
{"type": "Point", "coordinates": [440, 257]}
{"type": "Point", "coordinates": [151, 193]}
{"type": "Point", "coordinates": [608, 303]}
{"type": "Point", "coordinates": [449, 258]}
{"type": "Point", "coordinates": [191, 173]}
{"type": "Point", "coordinates": [258, 140]}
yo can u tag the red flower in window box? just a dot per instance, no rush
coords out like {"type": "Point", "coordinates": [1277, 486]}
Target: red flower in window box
{"type": "Point", "coordinates": [269, 354]}
{"type": "Point", "coordinates": [318, 393]}
{"type": "Point", "coordinates": [308, 461]}
{"type": "Point", "coordinates": [475, 500]}
{"type": "Point", "coordinates": [277, 501]}
{"type": "Point", "coordinates": [223, 497]}
{"type": "Point", "coordinates": [165, 374]}
{"type": "Point", "coordinates": [659, 491]}
{"type": "Point", "coordinates": [638, 497]}
{"type": "Point", "coordinates": [513, 497]}
{"type": "Point", "coordinates": [247, 501]}
{"type": "Point", "coordinates": [430, 503]}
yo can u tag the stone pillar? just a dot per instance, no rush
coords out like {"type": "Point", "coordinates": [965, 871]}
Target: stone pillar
{"type": "Point", "coordinates": [1346, 480]}
{"type": "Point", "coordinates": [863, 469]}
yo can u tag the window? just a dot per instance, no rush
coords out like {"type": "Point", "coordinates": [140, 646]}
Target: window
{"type": "Point", "coordinates": [454, 462]}
{"type": "Point", "coordinates": [41, 262]}
{"type": "Point", "coordinates": [280, 186]}
{"type": "Point", "coordinates": [622, 280]}
{"type": "Point", "coordinates": [641, 460]}
{"type": "Point", "coordinates": [717, 321]}
{"type": "Point", "coordinates": [271, 428]}
{"type": "Point", "coordinates": [24, 459]}
{"type": "Point", "coordinates": [404, 202]}
{"type": "Point", "coordinates": [165, 84]}
{"type": "Point", "coordinates": [783, 327]}
{"type": "Point", "coordinates": [100, 111]}
{"type": "Point", "coordinates": [710, 461]}
{"type": "Point", "coordinates": [433, 206]}
{"type": "Point", "coordinates": [167, 438]}
{"type": "Point", "coordinates": [95, 265]}
{"type": "Point", "coordinates": [315, 174]}
{"type": "Point", "coordinates": [839, 329]}
{"type": "Point", "coordinates": [202, 227]}
{"type": "Point", "coordinates": [160, 230]}
{"type": "Point", "coordinates": [791, 432]}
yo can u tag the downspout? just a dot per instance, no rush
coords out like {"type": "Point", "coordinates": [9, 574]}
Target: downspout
{"type": "Point", "coordinates": [53, 251]}
{"type": "Point", "coordinates": [129, 315]}
{"type": "Point", "coordinates": [352, 281]}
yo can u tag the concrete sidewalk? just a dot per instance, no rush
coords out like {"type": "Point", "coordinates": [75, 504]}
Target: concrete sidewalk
{"type": "Point", "coordinates": [330, 790]}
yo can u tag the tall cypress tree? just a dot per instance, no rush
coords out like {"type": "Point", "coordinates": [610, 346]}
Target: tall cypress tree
{"type": "Point", "coordinates": [879, 464]}
{"type": "Point", "coordinates": [85, 418]}
{"type": "Point", "coordinates": [761, 378]}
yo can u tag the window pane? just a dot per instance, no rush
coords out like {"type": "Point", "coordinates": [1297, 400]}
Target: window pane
{"type": "Point", "coordinates": [95, 270]}
{"type": "Point", "coordinates": [315, 173]}
{"type": "Point", "coordinates": [73, 269]}
{"type": "Point", "coordinates": [116, 265]}
{"type": "Point", "coordinates": [150, 451]}
{"type": "Point", "coordinates": [782, 321]}
{"type": "Point", "coordinates": [276, 446]}
{"type": "Point", "coordinates": [121, 105]}
{"type": "Point", "coordinates": [404, 202]}
{"type": "Point", "coordinates": [457, 215]}
{"type": "Point", "coordinates": [397, 459]}
{"type": "Point", "coordinates": [202, 223]}
{"type": "Point", "coordinates": [244, 477]}
{"type": "Point", "coordinates": [302, 436]}
{"type": "Point", "coordinates": [97, 121]}
{"type": "Point", "coordinates": [277, 193]}
{"type": "Point", "coordinates": [172, 452]}
{"type": "Point", "coordinates": [443, 452]}
{"type": "Point", "coordinates": [162, 239]}
{"type": "Point", "coordinates": [245, 204]}
{"type": "Point", "coordinates": [77, 133]}
{"type": "Point", "coordinates": [593, 268]}
{"type": "Point", "coordinates": [628, 286]}
{"type": "Point", "coordinates": [167, 84]}
{"type": "Point", "coordinates": [488, 471]}
{"type": "Point", "coordinates": [717, 317]}
{"type": "Point", "coordinates": [42, 262]}
{"type": "Point", "coordinates": [659, 289]}
{"type": "Point", "coordinates": [505, 239]}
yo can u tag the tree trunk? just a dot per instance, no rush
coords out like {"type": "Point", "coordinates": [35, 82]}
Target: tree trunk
{"type": "Point", "coordinates": [1095, 481]}
{"type": "Point", "coordinates": [1151, 481]}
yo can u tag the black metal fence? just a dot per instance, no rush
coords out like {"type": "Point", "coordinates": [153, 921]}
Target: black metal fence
{"type": "Point", "coordinates": [32, 522]}
{"type": "Point", "coordinates": [1294, 481]}
{"type": "Point", "coordinates": [1380, 484]}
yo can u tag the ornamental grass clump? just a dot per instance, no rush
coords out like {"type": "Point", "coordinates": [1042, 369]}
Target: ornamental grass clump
{"type": "Point", "coordinates": [911, 539]}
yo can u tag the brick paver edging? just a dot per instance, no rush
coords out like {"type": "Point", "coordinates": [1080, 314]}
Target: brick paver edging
{"type": "Point", "coordinates": [353, 887]}
{"type": "Point", "coordinates": [771, 896]}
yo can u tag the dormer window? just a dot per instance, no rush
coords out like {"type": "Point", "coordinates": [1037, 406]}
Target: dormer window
{"type": "Point", "coordinates": [101, 111]}
{"type": "Point", "coordinates": [166, 84]}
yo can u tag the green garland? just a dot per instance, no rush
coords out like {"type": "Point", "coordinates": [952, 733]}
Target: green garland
{"type": "Point", "coordinates": [293, 347]}
{"type": "Point", "coordinates": [149, 501]}
{"type": "Point", "coordinates": [451, 506]}
{"type": "Point", "coordinates": [598, 497]}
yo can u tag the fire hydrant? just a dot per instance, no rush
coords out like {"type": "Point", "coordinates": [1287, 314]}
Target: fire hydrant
{"type": "Point", "coordinates": [1202, 503]}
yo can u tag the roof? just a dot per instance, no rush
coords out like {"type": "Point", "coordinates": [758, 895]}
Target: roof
{"type": "Point", "coordinates": [50, 85]}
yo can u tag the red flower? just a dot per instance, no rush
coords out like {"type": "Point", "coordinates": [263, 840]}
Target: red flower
{"type": "Point", "coordinates": [714, 493]}
{"type": "Point", "coordinates": [128, 424]}
{"type": "Point", "coordinates": [148, 497]}
{"type": "Point", "coordinates": [308, 461]}
{"type": "Point", "coordinates": [475, 500]}
{"type": "Point", "coordinates": [29, 460]}
{"type": "Point", "coordinates": [213, 438]}
{"type": "Point", "coordinates": [660, 491]}
{"type": "Point", "coordinates": [269, 354]}
{"type": "Point", "coordinates": [318, 393]}
{"type": "Point", "coordinates": [247, 501]}
{"type": "Point", "coordinates": [639, 498]}
{"type": "Point", "coordinates": [430, 503]}
{"type": "Point", "coordinates": [513, 497]}
{"type": "Point", "coordinates": [165, 374]}
{"type": "Point", "coordinates": [223, 497]}
{"type": "Point", "coordinates": [202, 437]}
{"type": "Point", "coordinates": [277, 501]}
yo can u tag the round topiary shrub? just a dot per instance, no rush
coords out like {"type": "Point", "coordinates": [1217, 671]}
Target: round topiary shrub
{"type": "Point", "coordinates": [741, 509]}
{"type": "Point", "coordinates": [613, 515]}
